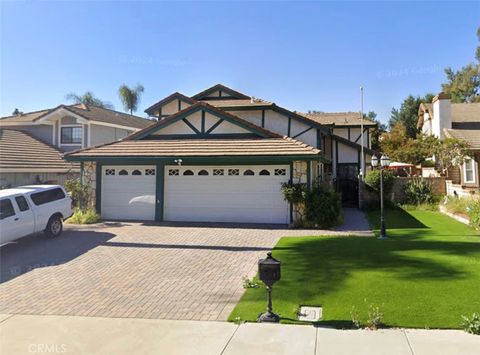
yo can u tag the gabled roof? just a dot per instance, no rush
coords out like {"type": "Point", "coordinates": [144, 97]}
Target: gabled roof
{"type": "Point", "coordinates": [471, 136]}
{"type": "Point", "coordinates": [232, 94]}
{"type": "Point", "coordinates": [20, 152]}
{"type": "Point", "coordinates": [261, 132]}
{"type": "Point", "coordinates": [88, 112]}
{"type": "Point", "coordinates": [198, 148]}
{"type": "Point", "coordinates": [352, 144]}
{"type": "Point", "coordinates": [174, 96]}
{"type": "Point", "coordinates": [339, 119]}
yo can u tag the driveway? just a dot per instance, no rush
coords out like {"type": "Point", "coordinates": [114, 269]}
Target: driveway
{"type": "Point", "coordinates": [135, 270]}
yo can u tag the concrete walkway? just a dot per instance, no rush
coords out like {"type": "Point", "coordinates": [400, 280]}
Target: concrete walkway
{"type": "Point", "coordinates": [25, 334]}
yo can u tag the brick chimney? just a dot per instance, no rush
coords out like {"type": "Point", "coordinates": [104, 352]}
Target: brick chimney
{"type": "Point", "coordinates": [442, 114]}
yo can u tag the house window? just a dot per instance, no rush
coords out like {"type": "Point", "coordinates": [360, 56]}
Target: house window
{"type": "Point", "coordinates": [203, 173]}
{"type": "Point", "coordinates": [109, 171]}
{"type": "Point", "coordinates": [136, 172]}
{"type": "Point", "coordinates": [264, 172]}
{"type": "Point", "coordinates": [280, 172]}
{"type": "Point", "coordinates": [218, 172]}
{"type": "Point", "coordinates": [248, 172]}
{"type": "Point", "coordinates": [71, 135]}
{"type": "Point", "coordinates": [188, 173]}
{"type": "Point", "coordinates": [149, 171]}
{"type": "Point", "coordinates": [233, 172]}
{"type": "Point", "coordinates": [173, 172]}
{"type": "Point", "coordinates": [123, 172]}
{"type": "Point", "coordinates": [468, 170]}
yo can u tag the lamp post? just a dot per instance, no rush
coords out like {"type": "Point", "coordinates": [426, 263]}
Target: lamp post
{"type": "Point", "coordinates": [384, 163]}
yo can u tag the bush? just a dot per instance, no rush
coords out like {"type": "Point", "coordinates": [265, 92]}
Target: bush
{"type": "Point", "coordinates": [84, 217]}
{"type": "Point", "coordinates": [77, 192]}
{"type": "Point", "coordinates": [474, 213]}
{"type": "Point", "coordinates": [294, 193]}
{"type": "Point", "coordinates": [372, 180]}
{"type": "Point", "coordinates": [418, 191]}
{"type": "Point", "coordinates": [323, 207]}
{"type": "Point", "coordinates": [458, 204]}
{"type": "Point", "coordinates": [471, 325]}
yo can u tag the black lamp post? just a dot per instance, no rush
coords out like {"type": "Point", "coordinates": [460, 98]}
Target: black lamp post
{"type": "Point", "coordinates": [269, 272]}
{"type": "Point", "coordinates": [384, 163]}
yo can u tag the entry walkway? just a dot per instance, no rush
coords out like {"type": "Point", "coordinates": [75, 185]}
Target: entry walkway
{"type": "Point", "coordinates": [24, 334]}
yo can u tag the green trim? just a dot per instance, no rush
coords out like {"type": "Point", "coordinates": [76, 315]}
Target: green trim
{"type": "Point", "coordinates": [192, 127]}
{"type": "Point", "coordinates": [302, 132]}
{"type": "Point", "coordinates": [319, 141]}
{"type": "Point", "coordinates": [212, 160]}
{"type": "Point", "coordinates": [291, 182]}
{"type": "Point", "coordinates": [336, 152]}
{"type": "Point", "coordinates": [81, 173]}
{"type": "Point", "coordinates": [215, 125]}
{"type": "Point", "coordinates": [263, 118]}
{"type": "Point", "coordinates": [160, 112]}
{"type": "Point", "coordinates": [179, 105]}
{"type": "Point", "coordinates": [356, 140]}
{"type": "Point", "coordinates": [368, 137]}
{"type": "Point", "coordinates": [159, 191]}
{"type": "Point", "coordinates": [98, 188]}
{"type": "Point", "coordinates": [289, 126]}
{"type": "Point", "coordinates": [203, 121]}
{"type": "Point", "coordinates": [219, 93]}
{"type": "Point", "coordinates": [348, 133]}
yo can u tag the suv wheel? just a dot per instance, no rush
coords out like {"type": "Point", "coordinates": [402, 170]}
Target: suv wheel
{"type": "Point", "coordinates": [54, 227]}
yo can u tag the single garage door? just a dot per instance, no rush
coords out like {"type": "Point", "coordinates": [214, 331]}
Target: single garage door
{"type": "Point", "coordinates": [246, 194]}
{"type": "Point", "coordinates": [128, 192]}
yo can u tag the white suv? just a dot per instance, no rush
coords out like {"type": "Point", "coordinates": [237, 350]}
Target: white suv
{"type": "Point", "coordinates": [30, 209]}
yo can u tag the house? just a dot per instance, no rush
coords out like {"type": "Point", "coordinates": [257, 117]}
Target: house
{"type": "Point", "coordinates": [445, 119]}
{"type": "Point", "coordinates": [217, 156]}
{"type": "Point", "coordinates": [61, 129]}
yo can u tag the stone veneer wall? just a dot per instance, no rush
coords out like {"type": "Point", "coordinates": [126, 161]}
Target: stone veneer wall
{"type": "Point", "coordinates": [89, 179]}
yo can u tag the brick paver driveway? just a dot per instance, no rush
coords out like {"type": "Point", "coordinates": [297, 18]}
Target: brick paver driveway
{"type": "Point", "coordinates": [134, 270]}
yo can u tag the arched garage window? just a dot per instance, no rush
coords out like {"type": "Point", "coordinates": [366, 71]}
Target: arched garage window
{"type": "Point", "coordinates": [123, 172]}
{"type": "Point", "coordinates": [203, 172]}
{"type": "Point", "coordinates": [136, 172]}
{"type": "Point", "coordinates": [188, 173]}
{"type": "Point", "coordinates": [264, 172]}
{"type": "Point", "coordinates": [248, 172]}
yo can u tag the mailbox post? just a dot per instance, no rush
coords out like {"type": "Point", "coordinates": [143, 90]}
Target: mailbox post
{"type": "Point", "coordinates": [269, 271]}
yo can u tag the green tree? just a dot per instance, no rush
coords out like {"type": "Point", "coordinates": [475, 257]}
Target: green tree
{"type": "Point", "coordinates": [464, 85]}
{"type": "Point", "coordinates": [378, 131]}
{"type": "Point", "coordinates": [88, 99]}
{"type": "Point", "coordinates": [451, 153]}
{"type": "Point", "coordinates": [130, 97]}
{"type": "Point", "coordinates": [407, 114]}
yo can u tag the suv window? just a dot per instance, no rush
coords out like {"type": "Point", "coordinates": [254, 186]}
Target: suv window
{"type": "Point", "coordinates": [40, 198]}
{"type": "Point", "coordinates": [22, 203]}
{"type": "Point", "coordinates": [6, 208]}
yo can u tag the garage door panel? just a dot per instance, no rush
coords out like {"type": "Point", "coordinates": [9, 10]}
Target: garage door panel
{"type": "Point", "coordinates": [225, 198]}
{"type": "Point", "coordinates": [129, 197]}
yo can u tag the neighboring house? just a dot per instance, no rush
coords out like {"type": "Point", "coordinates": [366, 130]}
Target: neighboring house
{"type": "Point", "coordinates": [218, 156]}
{"type": "Point", "coordinates": [25, 160]}
{"type": "Point", "coordinates": [64, 128]}
{"type": "Point", "coordinates": [445, 119]}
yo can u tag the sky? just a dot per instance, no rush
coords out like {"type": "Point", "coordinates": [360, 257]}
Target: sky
{"type": "Point", "coordinates": [300, 55]}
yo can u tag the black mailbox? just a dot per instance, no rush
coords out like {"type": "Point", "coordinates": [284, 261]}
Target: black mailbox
{"type": "Point", "coordinates": [269, 270]}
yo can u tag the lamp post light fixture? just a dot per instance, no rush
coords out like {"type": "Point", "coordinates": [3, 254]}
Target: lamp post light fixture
{"type": "Point", "coordinates": [269, 273]}
{"type": "Point", "coordinates": [384, 163]}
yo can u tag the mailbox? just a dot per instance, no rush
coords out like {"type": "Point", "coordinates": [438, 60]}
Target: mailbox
{"type": "Point", "coordinates": [269, 270]}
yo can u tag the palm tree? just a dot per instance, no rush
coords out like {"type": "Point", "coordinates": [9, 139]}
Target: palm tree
{"type": "Point", "coordinates": [130, 97]}
{"type": "Point", "coordinates": [88, 99]}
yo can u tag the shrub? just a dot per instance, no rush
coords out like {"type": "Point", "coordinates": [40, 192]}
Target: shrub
{"type": "Point", "coordinates": [471, 325]}
{"type": "Point", "coordinates": [418, 191]}
{"type": "Point", "coordinates": [247, 283]}
{"type": "Point", "coordinates": [77, 192]}
{"type": "Point", "coordinates": [474, 213]}
{"type": "Point", "coordinates": [372, 180]}
{"type": "Point", "coordinates": [84, 217]}
{"type": "Point", "coordinates": [458, 204]}
{"type": "Point", "coordinates": [375, 317]}
{"type": "Point", "coordinates": [294, 193]}
{"type": "Point", "coordinates": [323, 207]}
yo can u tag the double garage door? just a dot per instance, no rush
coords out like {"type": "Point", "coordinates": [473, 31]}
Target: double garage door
{"type": "Point", "coordinates": [244, 194]}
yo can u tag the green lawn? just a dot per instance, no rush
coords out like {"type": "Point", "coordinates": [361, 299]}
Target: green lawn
{"type": "Point", "coordinates": [427, 274]}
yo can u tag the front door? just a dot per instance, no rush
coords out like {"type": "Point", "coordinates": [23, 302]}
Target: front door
{"type": "Point", "coordinates": [347, 184]}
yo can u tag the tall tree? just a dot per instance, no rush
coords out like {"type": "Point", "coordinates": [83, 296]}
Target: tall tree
{"type": "Point", "coordinates": [130, 97]}
{"type": "Point", "coordinates": [88, 99]}
{"type": "Point", "coordinates": [407, 114]}
{"type": "Point", "coordinates": [377, 132]}
{"type": "Point", "coordinates": [463, 85]}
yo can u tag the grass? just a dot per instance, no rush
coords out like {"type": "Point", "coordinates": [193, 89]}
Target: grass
{"type": "Point", "coordinates": [459, 204]}
{"type": "Point", "coordinates": [426, 275]}
{"type": "Point", "coordinates": [84, 217]}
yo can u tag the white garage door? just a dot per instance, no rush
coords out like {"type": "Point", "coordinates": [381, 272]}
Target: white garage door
{"type": "Point", "coordinates": [128, 192]}
{"type": "Point", "coordinates": [247, 194]}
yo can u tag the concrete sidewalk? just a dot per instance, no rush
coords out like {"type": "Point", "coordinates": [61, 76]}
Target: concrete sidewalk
{"type": "Point", "coordinates": [27, 334]}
